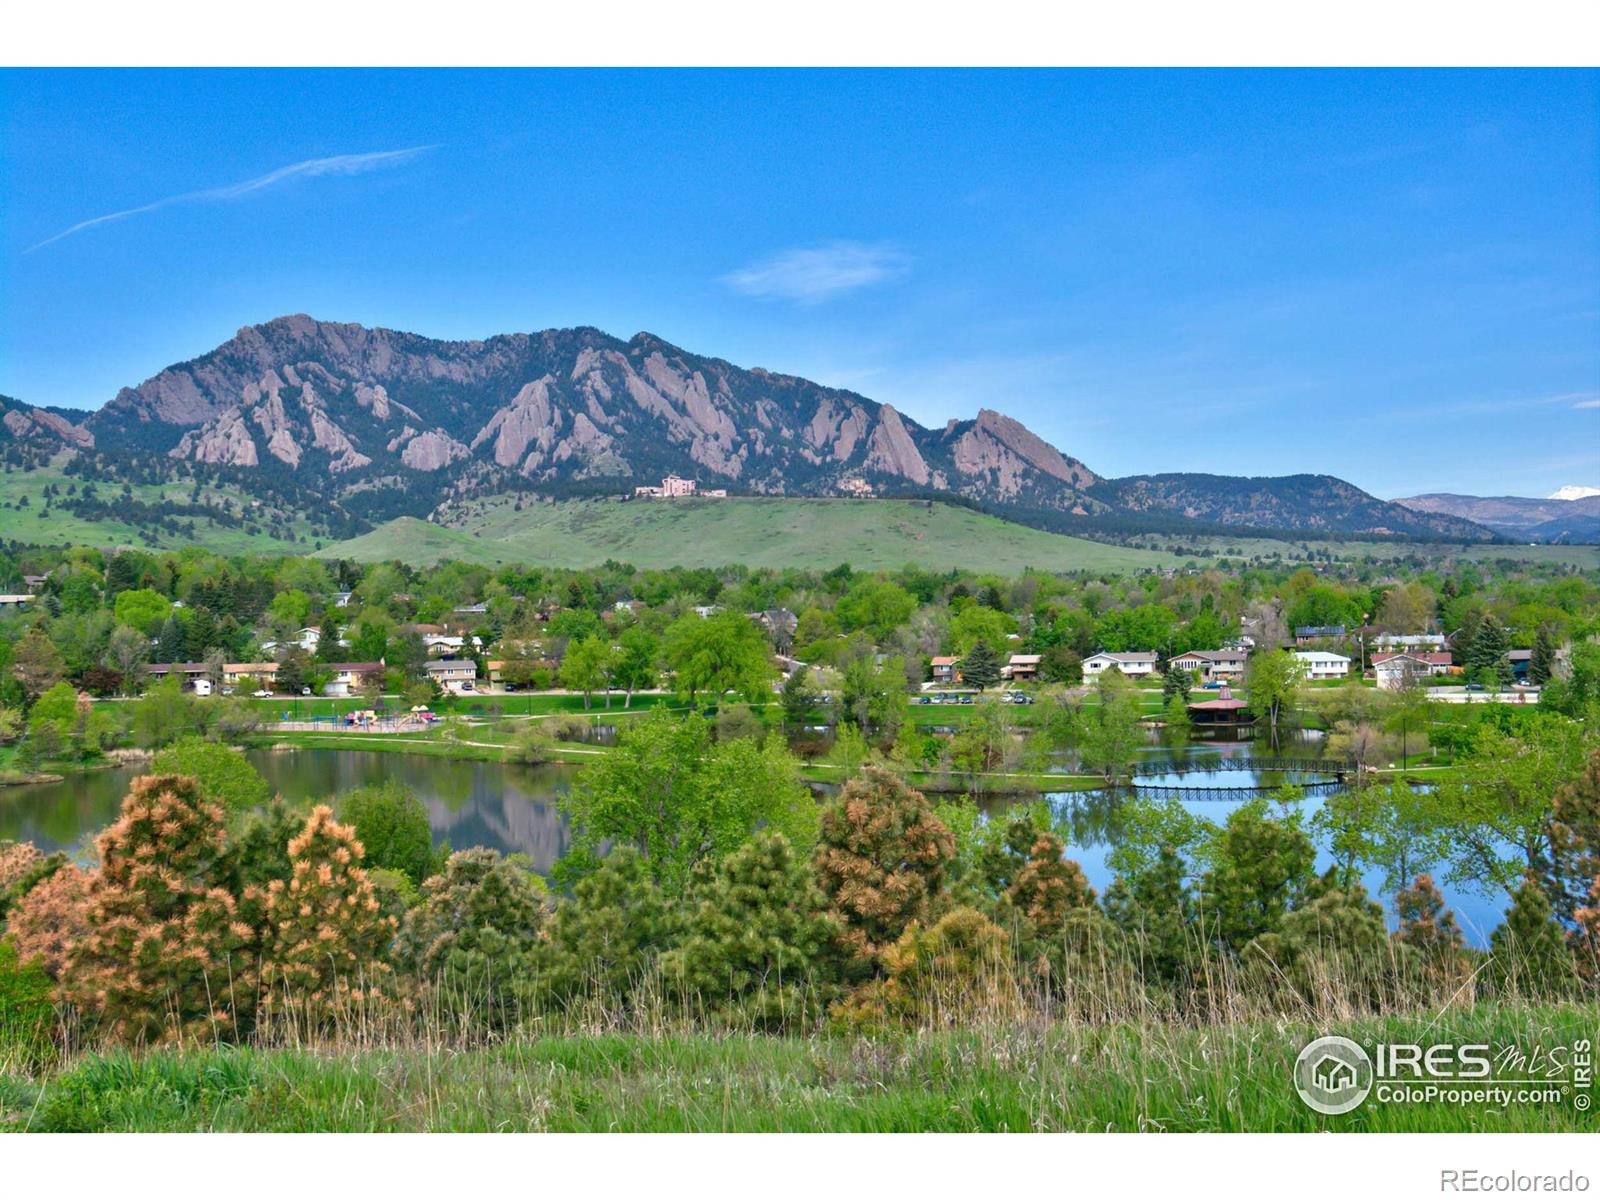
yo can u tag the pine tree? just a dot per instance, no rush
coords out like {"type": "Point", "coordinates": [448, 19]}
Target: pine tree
{"type": "Point", "coordinates": [1529, 952]}
{"type": "Point", "coordinates": [1262, 866]}
{"type": "Point", "coordinates": [165, 954]}
{"type": "Point", "coordinates": [761, 945]}
{"type": "Point", "coordinates": [470, 942]}
{"type": "Point", "coordinates": [329, 939]}
{"type": "Point", "coordinates": [1155, 912]}
{"type": "Point", "coordinates": [1574, 859]}
{"type": "Point", "coordinates": [1542, 662]}
{"type": "Point", "coordinates": [1175, 681]}
{"type": "Point", "coordinates": [881, 860]}
{"type": "Point", "coordinates": [1426, 925]}
{"type": "Point", "coordinates": [1486, 660]}
{"type": "Point", "coordinates": [981, 666]}
{"type": "Point", "coordinates": [604, 942]}
{"type": "Point", "coordinates": [1049, 887]}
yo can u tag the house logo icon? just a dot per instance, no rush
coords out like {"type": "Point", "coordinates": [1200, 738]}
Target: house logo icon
{"type": "Point", "coordinates": [1333, 1075]}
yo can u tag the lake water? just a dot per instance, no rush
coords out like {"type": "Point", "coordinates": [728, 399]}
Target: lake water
{"type": "Point", "coordinates": [513, 808]}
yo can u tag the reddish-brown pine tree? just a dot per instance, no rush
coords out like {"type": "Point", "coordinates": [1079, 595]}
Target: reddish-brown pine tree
{"type": "Point", "coordinates": [1049, 886]}
{"type": "Point", "coordinates": [881, 859]}
{"type": "Point", "coordinates": [329, 938]}
{"type": "Point", "coordinates": [51, 919]}
{"type": "Point", "coordinates": [165, 955]}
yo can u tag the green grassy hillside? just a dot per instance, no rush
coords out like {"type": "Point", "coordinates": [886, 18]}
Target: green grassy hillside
{"type": "Point", "coordinates": [29, 516]}
{"type": "Point", "coordinates": [756, 532]}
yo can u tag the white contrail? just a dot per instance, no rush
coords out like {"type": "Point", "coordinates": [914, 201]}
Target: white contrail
{"type": "Point", "coordinates": [339, 164]}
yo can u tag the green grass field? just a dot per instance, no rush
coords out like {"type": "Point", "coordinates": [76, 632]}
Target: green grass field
{"type": "Point", "coordinates": [1033, 1077]}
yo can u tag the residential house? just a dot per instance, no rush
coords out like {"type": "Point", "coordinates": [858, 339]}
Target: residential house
{"type": "Point", "coordinates": [1430, 642]}
{"type": "Point", "coordinates": [307, 639]}
{"type": "Point", "coordinates": [454, 674]}
{"type": "Point", "coordinates": [34, 582]}
{"type": "Point", "coordinates": [1519, 660]}
{"type": "Point", "coordinates": [1135, 664]}
{"type": "Point", "coordinates": [1022, 668]}
{"type": "Point", "coordinates": [1209, 665]}
{"type": "Point", "coordinates": [342, 599]}
{"type": "Point", "coordinates": [629, 606]}
{"type": "Point", "coordinates": [470, 610]}
{"type": "Point", "coordinates": [1394, 670]}
{"type": "Point", "coordinates": [350, 678]}
{"type": "Point", "coordinates": [443, 645]}
{"type": "Point", "coordinates": [1323, 664]}
{"type": "Point", "coordinates": [946, 668]}
{"type": "Point", "coordinates": [16, 599]}
{"type": "Point", "coordinates": [1306, 635]}
{"type": "Point", "coordinates": [707, 610]}
{"type": "Point", "coordinates": [779, 623]}
{"type": "Point", "coordinates": [262, 672]}
{"type": "Point", "coordinates": [187, 672]}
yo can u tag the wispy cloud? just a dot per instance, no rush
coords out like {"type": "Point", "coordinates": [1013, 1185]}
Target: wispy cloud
{"type": "Point", "coordinates": [311, 168]}
{"type": "Point", "coordinates": [812, 274]}
{"type": "Point", "coordinates": [1587, 402]}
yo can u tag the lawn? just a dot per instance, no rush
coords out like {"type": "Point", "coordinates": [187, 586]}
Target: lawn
{"type": "Point", "coordinates": [1031, 1077]}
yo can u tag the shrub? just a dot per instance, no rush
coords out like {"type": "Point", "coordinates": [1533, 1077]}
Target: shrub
{"type": "Point", "coordinates": [761, 946]}
{"type": "Point", "coordinates": [605, 940]}
{"type": "Point", "coordinates": [955, 972]}
{"type": "Point", "coordinates": [470, 940]}
{"type": "Point", "coordinates": [26, 1012]}
{"type": "Point", "coordinates": [23, 868]}
{"type": "Point", "coordinates": [881, 860]}
{"type": "Point", "coordinates": [392, 825]}
{"type": "Point", "coordinates": [164, 955]}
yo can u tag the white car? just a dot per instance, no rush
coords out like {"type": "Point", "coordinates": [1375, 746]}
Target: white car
{"type": "Point", "coordinates": [262, 694]}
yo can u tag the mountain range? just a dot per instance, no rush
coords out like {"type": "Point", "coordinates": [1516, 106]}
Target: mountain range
{"type": "Point", "coordinates": [371, 424]}
{"type": "Point", "coordinates": [1571, 515]}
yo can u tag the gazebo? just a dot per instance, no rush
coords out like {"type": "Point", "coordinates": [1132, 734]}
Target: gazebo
{"type": "Point", "coordinates": [1225, 710]}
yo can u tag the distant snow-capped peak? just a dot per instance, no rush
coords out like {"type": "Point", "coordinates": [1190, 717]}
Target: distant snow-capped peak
{"type": "Point", "coordinates": [1573, 491]}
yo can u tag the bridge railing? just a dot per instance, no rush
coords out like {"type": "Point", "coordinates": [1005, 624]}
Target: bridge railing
{"type": "Point", "coordinates": [1303, 766]}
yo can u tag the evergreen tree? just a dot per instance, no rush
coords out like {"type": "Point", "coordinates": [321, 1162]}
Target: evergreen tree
{"type": "Point", "coordinates": [1429, 929]}
{"type": "Point", "coordinates": [1261, 866]}
{"type": "Point", "coordinates": [1529, 953]}
{"type": "Point", "coordinates": [1542, 663]}
{"type": "Point", "coordinates": [165, 954]}
{"type": "Point", "coordinates": [1175, 681]}
{"type": "Point", "coordinates": [329, 939]}
{"type": "Point", "coordinates": [471, 940]}
{"type": "Point", "coordinates": [981, 667]}
{"type": "Point", "coordinates": [1155, 912]}
{"type": "Point", "coordinates": [1574, 860]}
{"type": "Point", "coordinates": [392, 825]}
{"type": "Point", "coordinates": [1486, 660]}
{"type": "Point", "coordinates": [881, 859]}
{"type": "Point", "coordinates": [761, 944]}
{"type": "Point", "coordinates": [604, 941]}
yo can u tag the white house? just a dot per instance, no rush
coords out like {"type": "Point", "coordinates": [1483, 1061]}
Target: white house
{"type": "Point", "coordinates": [1409, 641]}
{"type": "Point", "coordinates": [1323, 664]}
{"type": "Point", "coordinates": [1135, 664]}
{"type": "Point", "coordinates": [16, 599]}
{"type": "Point", "coordinates": [1393, 671]}
{"type": "Point", "coordinates": [307, 639]}
{"type": "Point", "coordinates": [442, 644]}
{"type": "Point", "coordinates": [1213, 664]}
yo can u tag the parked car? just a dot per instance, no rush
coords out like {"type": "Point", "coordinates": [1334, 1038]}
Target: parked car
{"type": "Point", "coordinates": [1475, 687]}
{"type": "Point", "coordinates": [262, 694]}
{"type": "Point", "coordinates": [966, 700]}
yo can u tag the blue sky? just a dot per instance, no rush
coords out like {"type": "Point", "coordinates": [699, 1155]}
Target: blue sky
{"type": "Point", "coordinates": [1389, 276]}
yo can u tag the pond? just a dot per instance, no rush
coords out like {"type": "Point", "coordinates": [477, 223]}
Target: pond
{"type": "Point", "coordinates": [513, 808]}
